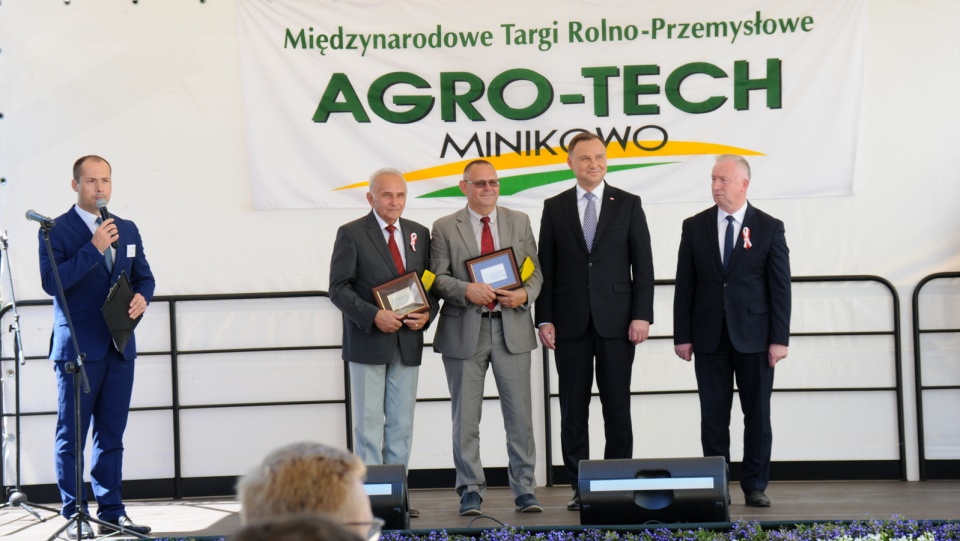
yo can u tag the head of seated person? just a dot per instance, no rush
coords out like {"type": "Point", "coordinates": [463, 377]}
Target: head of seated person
{"type": "Point", "coordinates": [303, 527]}
{"type": "Point", "coordinates": [307, 477]}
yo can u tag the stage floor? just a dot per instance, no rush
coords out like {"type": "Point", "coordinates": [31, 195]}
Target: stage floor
{"type": "Point", "coordinates": [792, 501]}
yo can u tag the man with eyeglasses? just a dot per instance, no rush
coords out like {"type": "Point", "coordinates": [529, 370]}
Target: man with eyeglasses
{"type": "Point", "coordinates": [309, 477]}
{"type": "Point", "coordinates": [480, 326]}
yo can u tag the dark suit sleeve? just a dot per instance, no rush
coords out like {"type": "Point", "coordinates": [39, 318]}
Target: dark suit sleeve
{"type": "Point", "coordinates": [548, 264]}
{"type": "Point", "coordinates": [778, 282]}
{"type": "Point", "coordinates": [141, 277]}
{"type": "Point", "coordinates": [641, 263]}
{"type": "Point", "coordinates": [343, 277]}
{"type": "Point", "coordinates": [683, 290]}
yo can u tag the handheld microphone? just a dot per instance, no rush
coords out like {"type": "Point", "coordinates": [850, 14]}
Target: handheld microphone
{"type": "Point", "coordinates": [104, 215]}
{"type": "Point", "coordinates": [35, 216]}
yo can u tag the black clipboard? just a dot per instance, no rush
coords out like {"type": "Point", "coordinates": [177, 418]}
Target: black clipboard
{"type": "Point", "coordinates": [116, 312]}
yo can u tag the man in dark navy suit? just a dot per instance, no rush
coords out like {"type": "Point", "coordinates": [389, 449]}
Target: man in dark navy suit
{"type": "Point", "coordinates": [596, 301]}
{"type": "Point", "coordinates": [89, 266]}
{"type": "Point", "coordinates": [732, 311]}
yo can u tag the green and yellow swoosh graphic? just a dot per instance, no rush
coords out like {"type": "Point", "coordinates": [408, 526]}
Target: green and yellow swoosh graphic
{"type": "Point", "coordinates": [516, 183]}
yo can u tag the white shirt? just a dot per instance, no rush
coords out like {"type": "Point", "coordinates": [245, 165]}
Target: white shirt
{"type": "Point", "coordinates": [722, 226]}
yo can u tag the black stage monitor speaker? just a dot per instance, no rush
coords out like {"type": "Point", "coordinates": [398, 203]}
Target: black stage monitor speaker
{"type": "Point", "coordinates": [637, 491]}
{"type": "Point", "coordinates": [387, 487]}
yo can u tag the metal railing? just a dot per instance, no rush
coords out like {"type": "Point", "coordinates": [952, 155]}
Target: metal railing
{"type": "Point", "coordinates": [894, 333]}
{"type": "Point", "coordinates": [918, 366]}
{"type": "Point", "coordinates": [176, 407]}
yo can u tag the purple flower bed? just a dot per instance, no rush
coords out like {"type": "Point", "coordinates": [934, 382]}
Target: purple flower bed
{"type": "Point", "coordinates": [864, 530]}
{"type": "Point", "coordinates": [872, 530]}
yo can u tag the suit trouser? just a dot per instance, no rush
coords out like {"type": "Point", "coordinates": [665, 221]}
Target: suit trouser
{"type": "Point", "coordinates": [715, 375]}
{"type": "Point", "coordinates": [575, 369]}
{"type": "Point", "coordinates": [108, 405]}
{"type": "Point", "coordinates": [384, 399]}
{"type": "Point", "coordinates": [465, 379]}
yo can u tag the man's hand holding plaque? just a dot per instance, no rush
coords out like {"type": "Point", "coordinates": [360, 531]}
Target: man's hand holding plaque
{"type": "Point", "coordinates": [402, 301]}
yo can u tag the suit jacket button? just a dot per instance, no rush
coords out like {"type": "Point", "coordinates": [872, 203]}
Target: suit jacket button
{"type": "Point", "coordinates": [590, 264]}
{"type": "Point", "coordinates": [724, 284]}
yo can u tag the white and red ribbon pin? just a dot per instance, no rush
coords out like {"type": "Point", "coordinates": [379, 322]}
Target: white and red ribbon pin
{"type": "Point", "coordinates": [413, 241]}
{"type": "Point", "coordinates": [746, 238]}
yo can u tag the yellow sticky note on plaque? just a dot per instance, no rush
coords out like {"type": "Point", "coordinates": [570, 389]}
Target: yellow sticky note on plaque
{"type": "Point", "coordinates": [427, 279]}
{"type": "Point", "coordinates": [526, 269]}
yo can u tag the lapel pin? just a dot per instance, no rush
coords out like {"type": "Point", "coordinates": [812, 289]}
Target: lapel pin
{"type": "Point", "coordinates": [746, 238]}
{"type": "Point", "coordinates": [413, 241]}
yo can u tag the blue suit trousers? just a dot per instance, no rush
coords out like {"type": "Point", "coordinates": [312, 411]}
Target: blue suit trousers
{"type": "Point", "coordinates": [107, 405]}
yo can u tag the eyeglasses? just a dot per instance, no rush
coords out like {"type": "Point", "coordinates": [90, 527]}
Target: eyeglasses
{"type": "Point", "coordinates": [376, 526]}
{"type": "Point", "coordinates": [483, 183]}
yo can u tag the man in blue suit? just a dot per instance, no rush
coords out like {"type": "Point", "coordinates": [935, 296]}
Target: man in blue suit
{"type": "Point", "coordinates": [88, 268]}
{"type": "Point", "coordinates": [732, 309]}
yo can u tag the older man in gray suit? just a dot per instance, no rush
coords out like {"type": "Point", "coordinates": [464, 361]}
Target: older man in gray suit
{"type": "Point", "coordinates": [482, 326]}
{"type": "Point", "coordinates": [383, 348]}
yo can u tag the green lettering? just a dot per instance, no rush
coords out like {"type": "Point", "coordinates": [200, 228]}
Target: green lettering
{"type": "Point", "coordinates": [536, 108]}
{"type": "Point", "coordinates": [742, 84]}
{"type": "Point", "coordinates": [300, 40]}
{"type": "Point", "coordinates": [450, 101]}
{"type": "Point", "coordinates": [600, 76]}
{"type": "Point", "coordinates": [676, 79]}
{"type": "Point", "coordinates": [632, 89]}
{"type": "Point", "coordinates": [340, 84]}
{"type": "Point", "coordinates": [418, 106]}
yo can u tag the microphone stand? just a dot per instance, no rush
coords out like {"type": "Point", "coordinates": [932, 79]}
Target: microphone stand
{"type": "Point", "coordinates": [80, 515]}
{"type": "Point", "coordinates": [17, 498]}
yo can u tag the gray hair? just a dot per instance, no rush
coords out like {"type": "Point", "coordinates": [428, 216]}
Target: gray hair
{"type": "Point", "coordinates": [383, 171]}
{"type": "Point", "coordinates": [737, 159]}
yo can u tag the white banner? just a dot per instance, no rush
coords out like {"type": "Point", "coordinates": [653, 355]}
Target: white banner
{"type": "Point", "coordinates": [334, 90]}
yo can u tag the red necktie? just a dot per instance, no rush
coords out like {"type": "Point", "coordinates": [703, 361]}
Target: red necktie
{"type": "Point", "coordinates": [486, 246]}
{"type": "Point", "coordinates": [394, 250]}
